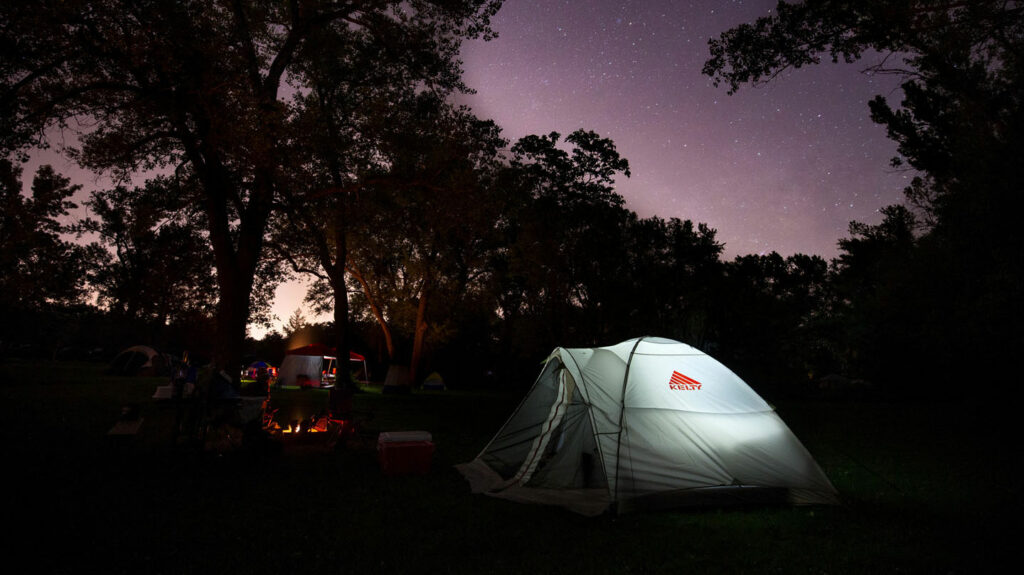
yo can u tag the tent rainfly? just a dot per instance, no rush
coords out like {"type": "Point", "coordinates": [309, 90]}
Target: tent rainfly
{"type": "Point", "coordinates": [648, 423]}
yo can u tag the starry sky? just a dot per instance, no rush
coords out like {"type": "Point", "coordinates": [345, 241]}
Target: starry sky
{"type": "Point", "coordinates": [782, 167]}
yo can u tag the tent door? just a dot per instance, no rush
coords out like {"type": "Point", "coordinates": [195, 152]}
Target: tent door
{"type": "Point", "coordinates": [571, 459]}
{"type": "Point", "coordinates": [566, 385]}
{"type": "Point", "coordinates": [564, 455]}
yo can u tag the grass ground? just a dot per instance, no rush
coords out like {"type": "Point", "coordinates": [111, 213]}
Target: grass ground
{"type": "Point", "coordinates": [928, 488]}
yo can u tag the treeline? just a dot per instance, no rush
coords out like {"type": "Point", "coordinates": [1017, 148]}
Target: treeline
{"type": "Point", "coordinates": [931, 298]}
{"type": "Point", "coordinates": [546, 255]}
{"type": "Point", "coordinates": [318, 139]}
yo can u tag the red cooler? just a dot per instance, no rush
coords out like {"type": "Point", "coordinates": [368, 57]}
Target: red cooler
{"type": "Point", "coordinates": [405, 452]}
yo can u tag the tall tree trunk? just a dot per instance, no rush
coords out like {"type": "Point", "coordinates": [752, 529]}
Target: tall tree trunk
{"type": "Point", "coordinates": [232, 317]}
{"type": "Point", "coordinates": [372, 300]}
{"type": "Point", "coordinates": [341, 395]}
{"type": "Point", "coordinates": [235, 281]}
{"type": "Point", "coordinates": [236, 266]}
{"type": "Point", "coordinates": [336, 268]}
{"type": "Point", "coordinates": [418, 337]}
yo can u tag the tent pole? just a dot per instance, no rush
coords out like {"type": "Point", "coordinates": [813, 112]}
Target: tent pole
{"type": "Point", "coordinates": [622, 418]}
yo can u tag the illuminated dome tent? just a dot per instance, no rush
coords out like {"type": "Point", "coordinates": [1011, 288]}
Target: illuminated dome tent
{"type": "Point", "coordinates": [644, 424]}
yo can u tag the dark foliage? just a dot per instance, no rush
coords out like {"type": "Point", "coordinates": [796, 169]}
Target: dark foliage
{"type": "Point", "coordinates": [937, 304]}
{"type": "Point", "coordinates": [198, 86]}
{"type": "Point", "coordinates": [474, 260]}
{"type": "Point", "coordinates": [42, 272]}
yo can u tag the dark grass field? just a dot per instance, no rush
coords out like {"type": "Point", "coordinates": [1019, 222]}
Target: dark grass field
{"type": "Point", "coordinates": [928, 488]}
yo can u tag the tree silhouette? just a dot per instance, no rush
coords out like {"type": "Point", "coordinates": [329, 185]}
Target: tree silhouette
{"type": "Point", "coordinates": [765, 311]}
{"type": "Point", "coordinates": [425, 230]}
{"type": "Point", "coordinates": [159, 269]}
{"type": "Point", "coordinates": [564, 227]}
{"type": "Point", "coordinates": [674, 280]}
{"type": "Point", "coordinates": [43, 271]}
{"type": "Point", "coordinates": [199, 86]}
{"type": "Point", "coordinates": [363, 96]}
{"type": "Point", "coordinates": [960, 124]}
{"type": "Point", "coordinates": [296, 322]}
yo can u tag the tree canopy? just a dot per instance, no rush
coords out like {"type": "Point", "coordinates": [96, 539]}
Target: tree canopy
{"type": "Point", "coordinates": [960, 120]}
{"type": "Point", "coordinates": [41, 266]}
{"type": "Point", "coordinates": [161, 261]}
{"type": "Point", "coordinates": [200, 87]}
{"type": "Point", "coordinates": [954, 280]}
{"type": "Point", "coordinates": [325, 130]}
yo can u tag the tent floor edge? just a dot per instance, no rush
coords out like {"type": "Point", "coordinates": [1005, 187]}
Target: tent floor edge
{"type": "Point", "coordinates": [723, 496]}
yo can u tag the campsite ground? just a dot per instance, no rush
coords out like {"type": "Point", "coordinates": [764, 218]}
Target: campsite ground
{"type": "Point", "coordinates": [928, 488]}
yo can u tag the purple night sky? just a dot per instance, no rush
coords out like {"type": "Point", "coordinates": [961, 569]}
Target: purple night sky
{"type": "Point", "coordinates": [783, 167]}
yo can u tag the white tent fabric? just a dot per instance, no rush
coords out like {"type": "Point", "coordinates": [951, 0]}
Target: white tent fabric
{"type": "Point", "coordinates": [649, 422]}
{"type": "Point", "coordinates": [311, 366]}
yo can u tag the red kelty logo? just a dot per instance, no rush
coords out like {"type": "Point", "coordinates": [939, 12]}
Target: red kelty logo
{"type": "Point", "coordinates": [683, 383]}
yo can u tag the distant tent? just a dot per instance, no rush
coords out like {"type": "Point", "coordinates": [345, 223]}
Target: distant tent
{"type": "Point", "coordinates": [313, 365]}
{"type": "Point", "coordinates": [434, 382]}
{"type": "Point", "coordinates": [397, 380]}
{"type": "Point", "coordinates": [644, 424]}
{"type": "Point", "coordinates": [139, 360]}
{"type": "Point", "coordinates": [253, 370]}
